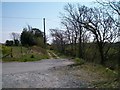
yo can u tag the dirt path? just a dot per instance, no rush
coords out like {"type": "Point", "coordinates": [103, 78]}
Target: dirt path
{"type": "Point", "coordinates": [52, 55]}
{"type": "Point", "coordinates": [49, 73]}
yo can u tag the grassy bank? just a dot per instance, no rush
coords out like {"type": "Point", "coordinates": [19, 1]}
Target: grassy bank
{"type": "Point", "coordinates": [103, 77]}
{"type": "Point", "coordinates": [97, 75]}
{"type": "Point", "coordinates": [23, 54]}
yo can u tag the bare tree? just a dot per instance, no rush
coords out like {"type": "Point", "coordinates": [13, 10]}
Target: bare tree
{"type": "Point", "coordinates": [15, 36]}
{"type": "Point", "coordinates": [113, 11]}
{"type": "Point", "coordinates": [103, 28]}
{"type": "Point", "coordinates": [74, 16]}
{"type": "Point", "coordinates": [70, 34]}
{"type": "Point", "coordinates": [59, 39]}
{"type": "Point", "coordinates": [97, 21]}
{"type": "Point", "coordinates": [115, 5]}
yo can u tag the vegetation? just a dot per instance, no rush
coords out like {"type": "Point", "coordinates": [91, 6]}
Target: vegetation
{"type": "Point", "coordinates": [30, 49]}
{"type": "Point", "coordinates": [32, 36]}
{"type": "Point", "coordinates": [27, 46]}
{"type": "Point", "coordinates": [33, 53]}
{"type": "Point", "coordinates": [9, 42]}
{"type": "Point", "coordinates": [90, 34]}
{"type": "Point", "coordinates": [79, 61]}
{"type": "Point", "coordinates": [106, 78]}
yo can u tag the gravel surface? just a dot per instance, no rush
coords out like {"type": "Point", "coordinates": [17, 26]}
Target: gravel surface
{"type": "Point", "coordinates": [50, 73]}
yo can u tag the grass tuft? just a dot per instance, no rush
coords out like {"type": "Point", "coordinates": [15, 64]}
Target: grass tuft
{"type": "Point", "coordinates": [79, 61]}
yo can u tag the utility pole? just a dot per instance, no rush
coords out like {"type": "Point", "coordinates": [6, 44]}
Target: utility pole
{"type": "Point", "coordinates": [44, 32]}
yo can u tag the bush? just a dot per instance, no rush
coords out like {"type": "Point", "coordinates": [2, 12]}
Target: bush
{"type": "Point", "coordinates": [32, 56]}
{"type": "Point", "coordinates": [79, 61]}
{"type": "Point", "coordinates": [9, 43]}
{"type": "Point", "coordinates": [24, 60]}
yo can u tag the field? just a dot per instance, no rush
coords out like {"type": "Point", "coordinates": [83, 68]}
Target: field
{"type": "Point", "coordinates": [23, 54]}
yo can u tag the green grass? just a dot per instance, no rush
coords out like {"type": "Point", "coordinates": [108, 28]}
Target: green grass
{"type": "Point", "coordinates": [79, 61]}
{"type": "Point", "coordinates": [17, 51]}
{"type": "Point", "coordinates": [107, 78]}
{"type": "Point", "coordinates": [28, 54]}
{"type": "Point", "coordinates": [5, 49]}
{"type": "Point", "coordinates": [32, 57]}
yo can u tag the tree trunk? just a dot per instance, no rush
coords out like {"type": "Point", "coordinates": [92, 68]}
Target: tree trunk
{"type": "Point", "coordinates": [72, 45]}
{"type": "Point", "coordinates": [119, 65]}
{"type": "Point", "coordinates": [75, 46]}
{"type": "Point", "coordinates": [80, 44]}
{"type": "Point", "coordinates": [101, 54]}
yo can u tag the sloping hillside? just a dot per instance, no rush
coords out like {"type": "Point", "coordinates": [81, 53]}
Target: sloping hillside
{"type": "Point", "coordinates": [23, 54]}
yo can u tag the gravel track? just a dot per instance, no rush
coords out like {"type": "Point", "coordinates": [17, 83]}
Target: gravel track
{"type": "Point", "coordinates": [50, 73]}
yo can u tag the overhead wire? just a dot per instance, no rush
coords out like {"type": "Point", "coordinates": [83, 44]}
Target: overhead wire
{"type": "Point", "coordinates": [19, 17]}
{"type": "Point", "coordinates": [48, 19]}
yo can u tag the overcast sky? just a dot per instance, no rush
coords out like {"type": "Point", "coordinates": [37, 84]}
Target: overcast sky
{"type": "Point", "coordinates": [17, 15]}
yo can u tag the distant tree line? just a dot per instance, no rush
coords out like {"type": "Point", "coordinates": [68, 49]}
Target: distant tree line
{"type": "Point", "coordinates": [29, 37]}
{"type": "Point", "coordinates": [15, 41]}
{"type": "Point", "coordinates": [11, 42]}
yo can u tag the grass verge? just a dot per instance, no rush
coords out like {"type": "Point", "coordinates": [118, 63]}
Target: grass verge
{"type": "Point", "coordinates": [28, 54]}
{"type": "Point", "coordinates": [103, 77]}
